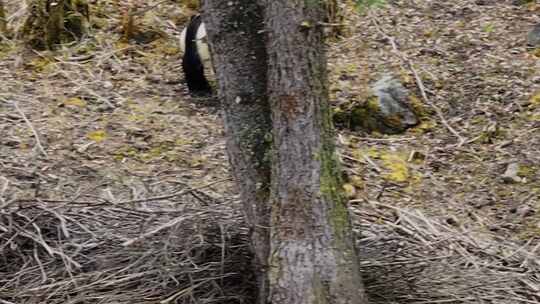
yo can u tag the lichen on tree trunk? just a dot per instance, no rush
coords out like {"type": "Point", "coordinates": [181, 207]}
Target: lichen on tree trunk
{"type": "Point", "coordinates": [235, 29]}
{"type": "Point", "coordinates": [52, 22]}
{"type": "Point", "coordinates": [313, 258]}
{"type": "Point", "coordinates": [277, 65]}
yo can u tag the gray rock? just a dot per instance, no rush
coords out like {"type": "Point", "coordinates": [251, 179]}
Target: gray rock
{"type": "Point", "coordinates": [394, 100]}
{"type": "Point", "coordinates": [386, 110]}
{"type": "Point", "coordinates": [533, 38]}
{"type": "Point", "coordinates": [510, 176]}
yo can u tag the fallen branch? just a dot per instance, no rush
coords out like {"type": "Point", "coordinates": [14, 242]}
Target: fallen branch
{"type": "Point", "coordinates": [179, 193]}
{"type": "Point", "coordinates": [30, 126]}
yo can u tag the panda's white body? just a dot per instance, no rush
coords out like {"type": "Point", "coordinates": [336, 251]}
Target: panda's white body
{"type": "Point", "coordinates": [196, 61]}
{"type": "Point", "coordinates": [202, 45]}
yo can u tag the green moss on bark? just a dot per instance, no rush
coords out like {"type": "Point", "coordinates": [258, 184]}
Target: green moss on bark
{"type": "Point", "coordinates": [331, 180]}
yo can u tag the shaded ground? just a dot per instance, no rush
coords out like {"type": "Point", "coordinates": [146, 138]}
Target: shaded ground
{"type": "Point", "coordinates": [117, 126]}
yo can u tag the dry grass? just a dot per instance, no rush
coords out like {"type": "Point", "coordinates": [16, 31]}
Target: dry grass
{"type": "Point", "coordinates": [408, 257]}
{"type": "Point", "coordinates": [184, 249]}
{"type": "Point", "coordinates": [177, 250]}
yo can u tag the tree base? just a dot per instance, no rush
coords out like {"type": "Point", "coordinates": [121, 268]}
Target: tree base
{"type": "Point", "coordinates": [50, 23]}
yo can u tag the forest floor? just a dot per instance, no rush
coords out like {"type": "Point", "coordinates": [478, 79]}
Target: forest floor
{"type": "Point", "coordinates": [115, 123]}
{"type": "Point", "coordinates": [476, 69]}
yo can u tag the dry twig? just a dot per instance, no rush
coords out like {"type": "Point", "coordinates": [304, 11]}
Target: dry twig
{"type": "Point", "coordinates": [30, 126]}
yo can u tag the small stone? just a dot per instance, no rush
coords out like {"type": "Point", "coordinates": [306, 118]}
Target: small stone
{"type": "Point", "coordinates": [511, 174]}
{"type": "Point", "coordinates": [525, 211]}
{"type": "Point", "coordinates": [453, 221]}
{"type": "Point", "coordinates": [393, 98]}
{"type": "Point", "coordinates": [533, 38]}
{"type": "Point", "coordinates": [108, 85]}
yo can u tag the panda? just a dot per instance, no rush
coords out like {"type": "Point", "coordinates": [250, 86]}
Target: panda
{"type": "Point", "coordinates": [196, 57]}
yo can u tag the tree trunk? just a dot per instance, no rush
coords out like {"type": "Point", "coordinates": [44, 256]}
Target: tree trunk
{"type": "Point", "coordinates": [313, 258]}
{"type": "Point", "coordinates": [239, 59]}
{"type": "Point", "coordinates": [3, 21]}
{"type": "Point", "coordinates": [54, 24]}
{"type": "Point", "coordinates": [50, 23]}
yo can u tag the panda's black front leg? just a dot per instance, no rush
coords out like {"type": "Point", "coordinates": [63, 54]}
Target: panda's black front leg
{"type": "Point", "coordinates": [194, 72]}
{"type": "Point", "coordinates": [195, 51]}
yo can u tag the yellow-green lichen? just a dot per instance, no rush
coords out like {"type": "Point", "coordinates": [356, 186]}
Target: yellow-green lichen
{"type": "Point", "coordinates": [535, 100]}
{"type": "Point", "coordinates": [398, 171]}
{"type": "Point", "coordinates": [418, 107]}
{"type": "Point", "coordinates": [350, 190]}
{"type": "Point", "coordinates": [357, 182]}
{"type": "Point", "coordinates": [395, 164]}
{"type": "Point", "coordinates": [425, 126]}
{"type": "Point", "coordinates": [75, 102]}
{"type": "Point", "coordinates": [525, 171]}
{"type": "Point", "coordinates": [97, 136]}
{"type": "Point", "coordinates": [333, 193]}
{"type": "Point", "coordinates": [41, 64]}
{"type": "Point", "coordinates": [6, 49]}
{"type": "Point", "coordinates": [372, 104]}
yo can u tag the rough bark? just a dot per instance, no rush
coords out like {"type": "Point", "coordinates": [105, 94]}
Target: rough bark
{"type": "Point", "coordinates": [313, 258]}
{"type": "Point", "coordinates": [239, 57]}
{"type": "Point", "coordinates": [3, 21]}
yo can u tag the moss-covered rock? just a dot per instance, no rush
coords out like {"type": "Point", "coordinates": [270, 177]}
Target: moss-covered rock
{"type": "Point", "coordinates": [533, 37]}
{"type": "Point", "coordinates": [387, 110]}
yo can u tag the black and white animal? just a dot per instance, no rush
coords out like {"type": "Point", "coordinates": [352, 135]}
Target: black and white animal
{"type": "Point", "coordinates": [196, 56]}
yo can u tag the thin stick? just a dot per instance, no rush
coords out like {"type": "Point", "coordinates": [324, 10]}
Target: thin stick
{"type": "Point", "coordinates": [154, 231]}
{"type": "Point", "coordinates": [147, 9]}
{"type": "Point", "coordinates": [29, 124]}
{"type": "Point", "coordinates": [179, 193]}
